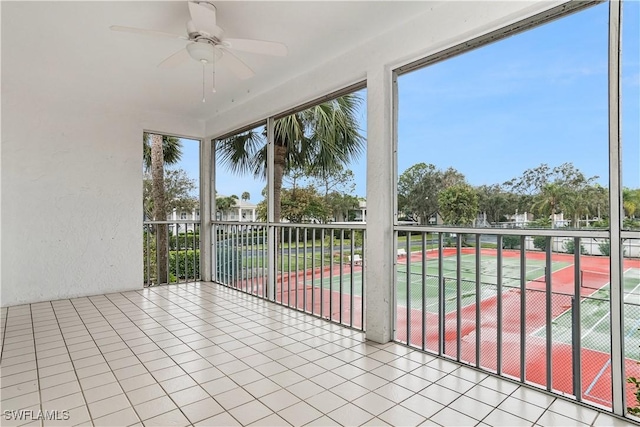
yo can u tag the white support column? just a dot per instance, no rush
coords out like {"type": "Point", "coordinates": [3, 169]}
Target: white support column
{"type": "Point", "coordinates": [206, 196]}
{"type": "Point", "coordinates": [615, 214]}
{"type": "Point", "coordinates": [271, 231]}
{"type": "Point", "coordinates": [379, 256]}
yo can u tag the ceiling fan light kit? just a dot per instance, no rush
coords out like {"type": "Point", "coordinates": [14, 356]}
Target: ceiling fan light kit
{"type": "Point", "coordinates": [203, 52]}
{"type": "Point", "coordinates": [207, 45]}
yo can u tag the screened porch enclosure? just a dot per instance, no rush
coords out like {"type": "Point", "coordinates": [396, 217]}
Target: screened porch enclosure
{"type": "Point", "coordinates": [290, 296]}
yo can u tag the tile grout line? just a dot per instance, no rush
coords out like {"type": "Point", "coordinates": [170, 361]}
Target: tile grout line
{"type": "Point", "coordinates": [324, 389]}
{"type": "Point", "coordinates": [4, 331]}
{"type": "Point", "coordinates": [243, 388]}
{"type": "Point", "coordinates": [35, 350]}
{"type": "Point", "coordinates": [186, 373]}
{"type": "Point", "coordinates": [142, 363]}
{"type": "Point", "coordinates": [82, 390]}
{"type": "Point", "coordinates": [75, 371]}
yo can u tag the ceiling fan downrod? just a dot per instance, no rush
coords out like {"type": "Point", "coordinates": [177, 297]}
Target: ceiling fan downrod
{"type": "Point", "coordinates": [203, 96]}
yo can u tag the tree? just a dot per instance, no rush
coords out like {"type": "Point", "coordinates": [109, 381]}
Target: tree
{"type": "Point", "coordinates": [171, 150]}
{"type": "Point", "coordinates": [224, 204]}
{"type": "Point", "coordinates": [336, 186]}
{"type": "Point", "coordinates": [158, 150]}
{"type": "Point", "coordinates": [549, 199]}
{"type": "Point", "coordinates": [300, 204]}
{"type": "Point", "coordinates": [591, 200]}
{"type": "Point", "coordinates": [177, 191]}
{"type": "Point", "coordinates": [458, 205]}
{"type": "Point", "coordinates": [339, 204]}
{"type": "Point", "coordinates": [494, 202]}
{"type": "Point", "coordinates": [630, 201]}
{"type": "Point", "coordinates": [334, 179]}
{"type": "Point", "coordinates": [418, 189]}
{"type": "Point", "coordinates": [303, 204]}
{"type": "Point", "coordinates": [552, 190]}
{"type": "Point", "coordinates": [245, 196]}
{"type": "Point", "coordinates": [317, 138]}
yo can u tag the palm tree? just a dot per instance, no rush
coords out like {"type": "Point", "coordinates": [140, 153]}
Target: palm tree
{"type": "Point", "coordinates": [223, 204]}
{"type": "Point", "coordinates": [549, 199]}
{"type": "Point", "coordinates": [161, 150]}
{"type": "Point", "coordinates": [246, 196]}
{"type": "Point", "coordinates": [317, 138]}
{"type": "Point", "coordinates": [171, 150]}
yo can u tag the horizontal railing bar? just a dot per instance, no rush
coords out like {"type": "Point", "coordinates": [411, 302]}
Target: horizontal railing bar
{"type": "Point", "coordinates": [178, 221]}
{"type": "Point", "coordinates": [552, 232]}
{"type": "Point", "coordinates": [627, 234]}
{"type": "Point", "coordinates": [362, 226]}
{"type": "Point", "coordinates": [325, 226]}
{"type": "Point", "coordinates": [254, 224]}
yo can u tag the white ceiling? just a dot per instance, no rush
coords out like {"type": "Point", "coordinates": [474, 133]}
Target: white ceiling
{"type": "Point", "coordinates": [64, 51]}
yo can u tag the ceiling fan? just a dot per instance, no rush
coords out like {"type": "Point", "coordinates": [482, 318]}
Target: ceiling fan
{"type": "Point", "coordinates": [207, 44]}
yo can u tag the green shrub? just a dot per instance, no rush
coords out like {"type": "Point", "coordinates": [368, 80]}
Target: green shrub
{"type": "Point", "coordinates": [187, 263]}
{"type": "Point", "coordinates": [605, 249]}
{"type": "Point", "coordinates": [635, 410]}
{"type": "Point", "coordinates": [182, 242]}
{"type": "Point", "coordinates": [540, 242]}
{"type": "Point", "coordinates": [510, 242]}
{"type": "Point", "coordinates": [631, 224]}
{"type": "Point", "coordinates": [570, 247]}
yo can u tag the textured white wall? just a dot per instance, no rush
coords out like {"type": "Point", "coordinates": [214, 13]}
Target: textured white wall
{"type": "Point", "coordinates": [72, 206]}
{"type": "Point", "coordinates": [72, 198]}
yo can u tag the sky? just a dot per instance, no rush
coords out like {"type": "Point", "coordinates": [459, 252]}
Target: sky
{"type": "Point", "coordinates": [491, 113]}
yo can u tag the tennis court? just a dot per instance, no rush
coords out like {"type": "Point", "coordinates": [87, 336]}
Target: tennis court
{"type": "Point", "coordinates": [476, 308]}
{"type": "Point", "coordinates": [416, 273]}
{"type": "Point", "coordinates": [463, 308]}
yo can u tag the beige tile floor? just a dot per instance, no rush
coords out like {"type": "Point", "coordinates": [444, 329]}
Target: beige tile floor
{"type": "Point", "coordinates": [203, 355]}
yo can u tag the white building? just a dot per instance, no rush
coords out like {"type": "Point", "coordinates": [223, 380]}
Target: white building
{"type": "Point", "coordinates": [242, 211]}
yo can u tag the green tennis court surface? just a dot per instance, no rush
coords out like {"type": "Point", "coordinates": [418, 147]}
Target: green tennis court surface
{"type": "Point", "coordinates": [535, 271]}
{"type": "Point", "coordinates": [595, 317]}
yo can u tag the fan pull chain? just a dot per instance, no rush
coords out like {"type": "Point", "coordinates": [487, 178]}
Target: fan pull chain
{"type": "Point", "coordinates": [203, 98]}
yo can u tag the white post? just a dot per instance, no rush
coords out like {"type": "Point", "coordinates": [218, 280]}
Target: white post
{"type": "Point", "coordinates": [271, 230]}
{"type": "Point", "coordinates": [206, 197]}
{"type": "Point", "coordinates": [615, 215]}
{"type": "Point", "coordinates": [379, 255]}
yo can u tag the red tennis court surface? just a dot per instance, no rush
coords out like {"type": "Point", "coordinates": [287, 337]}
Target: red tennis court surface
{"type": "Point", "coordinates": [595, 369]}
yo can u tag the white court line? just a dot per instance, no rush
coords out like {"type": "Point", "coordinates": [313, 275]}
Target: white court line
{"type": "Point", "coordinates": [607, 315]}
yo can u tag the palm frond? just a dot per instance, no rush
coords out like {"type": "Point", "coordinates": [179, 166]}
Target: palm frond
{"type": "Point", "coordinates": [238, 153]}
{"type": "Point", "coordinates": [171, 150]}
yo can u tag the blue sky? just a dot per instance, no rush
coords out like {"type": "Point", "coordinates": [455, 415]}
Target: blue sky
{"type": "Point", "coordinates": [537, 97]}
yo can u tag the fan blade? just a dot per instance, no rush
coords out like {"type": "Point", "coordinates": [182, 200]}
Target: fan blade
{"type": "Point", "coordinates": [180, 57]}
{"type": "Point", "coordinates": [146, 32]}
{"type": "Point", "coordinates": [257, 46]}
{"type": "Point", "coordinates": [235, 64]}
{"type": "Point", "coordinates": [204, 18]}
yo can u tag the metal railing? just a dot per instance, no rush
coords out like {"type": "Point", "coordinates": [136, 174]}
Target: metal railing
{"type": "Point", "coordinates": [241, 258]}
{"type": "Point", "coordinates": [171, 251]}
{"type": "Point", "coordinates": [316, 269]}
{"type": "Point", "coordinates": [533, 307]}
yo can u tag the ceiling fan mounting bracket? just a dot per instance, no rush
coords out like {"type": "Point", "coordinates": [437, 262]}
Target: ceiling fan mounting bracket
{"type": "Point", "coordinates": [205, 3]}
{"type": "Point", "coordinates": [201, 38]}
